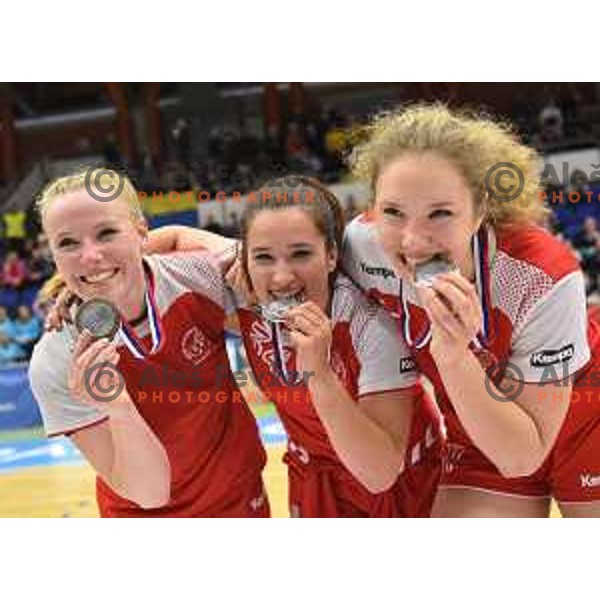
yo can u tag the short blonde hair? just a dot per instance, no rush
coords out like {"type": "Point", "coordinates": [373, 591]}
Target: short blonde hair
{"type": "Point", "coordinates": [77, 181]}
{"type": "Point", "coordinates": [474, 142]}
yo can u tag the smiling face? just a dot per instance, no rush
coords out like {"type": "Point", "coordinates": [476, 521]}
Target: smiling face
{"type": "Point", "coordinates": [424, 207]}
{"type": "Point", "coordinates": [287, 256]}
{"type": "Point", "coordinates": [97, 248]}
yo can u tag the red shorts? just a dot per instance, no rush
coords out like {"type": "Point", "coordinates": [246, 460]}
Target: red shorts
{"type": "Point", "coordinates": [247, 500]}
{"type": "Point", "coordinates": [570, 473]}
{"type": "Point", "coordinates": [321, 487]}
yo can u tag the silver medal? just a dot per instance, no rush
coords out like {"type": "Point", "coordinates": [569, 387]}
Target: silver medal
{"type": "Point", "coordinates": [99, 317]}
{"type": "Point", "coordinates": [426, 272]}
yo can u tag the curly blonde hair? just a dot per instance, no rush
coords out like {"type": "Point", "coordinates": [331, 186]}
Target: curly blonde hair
{"type": "Point", "coordinates": [474, 142]}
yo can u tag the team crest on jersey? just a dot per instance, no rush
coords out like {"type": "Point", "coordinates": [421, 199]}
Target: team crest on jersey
{"type": "Point", "coordinates": [195, 346]}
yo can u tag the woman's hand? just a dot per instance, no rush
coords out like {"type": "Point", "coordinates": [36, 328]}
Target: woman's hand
{"type": "Point", "coordinates": [93, 375]}
{"type": "Point", "coordinates": [455, 313]}
{"type": "Point", "coordinates": [233, 271]}
{"type": "Point", "coordinates": [310, 334]}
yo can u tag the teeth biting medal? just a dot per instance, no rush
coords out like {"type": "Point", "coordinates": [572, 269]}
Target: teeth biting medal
{"type": "Point", "coordinates": [274, 314]}
{"type": "Point", "coordinates": [426, 272]}
{"type": "Point", "coordinates": [275, 311]}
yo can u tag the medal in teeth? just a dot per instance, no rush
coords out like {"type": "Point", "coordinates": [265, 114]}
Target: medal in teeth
{"type": "Point", "coordinates": [275, 311]}
{"type": "Point", "coordinates": [426, 272]}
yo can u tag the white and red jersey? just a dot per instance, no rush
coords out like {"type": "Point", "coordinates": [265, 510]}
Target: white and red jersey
{"type": "Point", "coordinates": [184, 390]}
{"type": "Point", "coordinates": [535, 313]}
{"type": "Point", "coordinates": [368, 357]}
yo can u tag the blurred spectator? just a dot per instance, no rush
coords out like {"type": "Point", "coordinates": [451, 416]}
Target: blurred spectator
{"type": "Point", "coordinates": [315, 141]}
{"type": "Point", "coordinates": [248, 146]}
{"type": "Point", "coordinates": [112, 156]}
{"type": "Point", "coordinates": [15, 229]}
{"type": "Point", "coordinates": [10, 351]}
{"type": "Point", "coordinates": [350, 210]}
{"type": "Point", "coordinates": [232, 227]}
{"type": "Point", "coordinates": [38, 265]}
{"type": "Point", "coordinates": [27, 329]}
{"type": "Point", "coordinates": [553, 224]}
{"type": "Point", "coordinates": [335, 145]}
{"type": "Point", "coordinates": [180, 135]}
{"type": "Point", "coordinates": [550, 123]}
{"type": "Point", "coordinates": [274, 146]}
{"type": "Point", "coordinates": [7, 325]}
{"type": "Point", "coordinates": [213, 225]}
{"type": "Point", "coordinates": [14, 271]}
{"type": "Point", "coordinates": [585, 242]}
{"type": "Point", "coordinates": [294, 142]}
{"type": "Point", "coordinates": [215, 143]}
{"type": "Point", "coordinates": [551, 119]}
{"type": "Point", "coordinates": [181, 139]}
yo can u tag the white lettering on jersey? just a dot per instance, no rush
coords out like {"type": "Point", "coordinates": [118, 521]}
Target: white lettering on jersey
{"type": "Point", "coordinates": [588, 480]}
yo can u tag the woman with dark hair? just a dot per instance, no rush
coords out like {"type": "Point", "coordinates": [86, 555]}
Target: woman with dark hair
{"type": "Point", "coordinates": [364, 438]}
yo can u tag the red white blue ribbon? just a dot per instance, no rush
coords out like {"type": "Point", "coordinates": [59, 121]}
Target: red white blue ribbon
{"type": "Point", "coordinates": [128, 335]}
{"type": "Point", "coordinates": [481, 259]}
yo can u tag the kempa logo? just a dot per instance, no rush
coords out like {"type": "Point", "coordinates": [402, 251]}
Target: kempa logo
{"type": "Point", "coordinates": [588, 480]}
{"type": "Point", "coordinates": [407, 365]}
{"type": "Point", "coordinates": [552, 357]}
{"type": "Point", "coordinates": [377, 271]}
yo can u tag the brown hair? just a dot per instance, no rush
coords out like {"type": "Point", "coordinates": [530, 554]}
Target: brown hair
{"type": "Point", "coordinates": [299, 191]}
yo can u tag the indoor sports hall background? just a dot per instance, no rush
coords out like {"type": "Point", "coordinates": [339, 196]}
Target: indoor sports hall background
{"type": "Point", "coordinates": [190, 147]}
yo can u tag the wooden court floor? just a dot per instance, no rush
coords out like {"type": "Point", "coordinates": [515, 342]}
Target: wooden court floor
{"type": "Point", "coordinates": [68, 491]}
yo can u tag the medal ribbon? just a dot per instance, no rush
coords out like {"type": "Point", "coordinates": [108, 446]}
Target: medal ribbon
{"type": "Point", "coordinates": [128, 335]}
{"type": "Point", "coordinates": [481, 255]}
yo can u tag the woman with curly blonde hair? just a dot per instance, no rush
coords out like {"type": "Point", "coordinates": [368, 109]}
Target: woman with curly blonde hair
{"type": "Point", "coordinates": [502, 333]}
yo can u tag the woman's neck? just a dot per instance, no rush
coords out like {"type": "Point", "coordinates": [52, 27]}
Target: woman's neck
{"type": "Point", "coordinates": [133, 307]}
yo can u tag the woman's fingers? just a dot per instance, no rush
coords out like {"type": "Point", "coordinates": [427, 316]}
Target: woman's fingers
{"type": "Point", "coordinates": [81, 374]}
{"type": "Point", "coordinates": [308, 311]}
{"type": "Point", "coordinates": [84, 339]}
{"type": "Point", "coordinates": [53, 321]}
{"type": "Point", "coordinates": [237, 281]}
{"type": "Point", "coordinates": [64, 302]}
{"type": "Point", "coordinates": [60, 312]}
{"type": "Point", "coordinates": [302, 323]}
{"type": "Point", "coordinates": [93, 352]}
{"type": "Point", "coordinates": [442, 318]}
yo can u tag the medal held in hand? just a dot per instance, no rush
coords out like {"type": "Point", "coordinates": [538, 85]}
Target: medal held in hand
{"type": "Point", "coordinates": [274, 313]}
{"type": "Point", "coordinates": [99, 317]}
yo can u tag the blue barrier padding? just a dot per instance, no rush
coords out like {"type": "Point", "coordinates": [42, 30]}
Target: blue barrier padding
{"type": "Point", "coordinates": [18, 408]}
